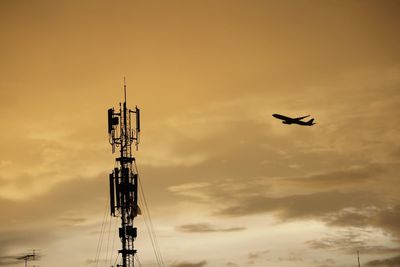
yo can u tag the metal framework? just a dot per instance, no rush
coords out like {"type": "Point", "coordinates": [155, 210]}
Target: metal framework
{"type": "Point", "coordinates": [124, 178]}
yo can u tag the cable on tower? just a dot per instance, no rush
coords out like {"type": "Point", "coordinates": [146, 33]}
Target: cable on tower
{"type": "Point", "coordinates": [100, 241]}
{"type": "Point", "coordinates": [150, 227]}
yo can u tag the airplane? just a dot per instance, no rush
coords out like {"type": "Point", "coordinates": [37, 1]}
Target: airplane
{"type": "Point", "coordinates": [287, 120]}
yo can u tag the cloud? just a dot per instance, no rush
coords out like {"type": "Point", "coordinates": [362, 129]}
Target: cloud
{"type": "Point", "coordinates": [354, 99]}
{"type": "Point", "coordinates": [389, 262]}
{"type": "Point", "coordinates": [389, 219]}
{"type": "Point", "coordinates": [189, 189]}
{"type": "Point", "coordinates": [72, 220]}
{"type": "Point", "coordinates": [350, 177]}
{"type": "Point", "coordinates": [292, 257]}
{"type": "Point", "coordinates": [20, 239]}
{"type": "Point", "coordinates": [207, 228]}
{"type": "Point", "coordinates": [341, 198]}
{"type": "Point", "coordinates": [189, 264]}
{"type": "Point", "coordinates": [349, 218]}
{"type": "Point", "coordinates": [386, 218]}
{"type": "Point", "coordinates": [9, 260]}
{"type": "Point", "coordinates": [349, 240]}
{"type": "Point", "coordinates": [300, 206]}
{"type": "Point", "coordinates": [252, 257]}
{"type": "Point", "coordinates": [96, 262]}
{"type": "Point", "coordinates": [48, 162]}
{"type": "Point", "coordinates": [45, 219]}
{"type": "Point", "coordinates": [256, 254]}
{"type": "Point", "coordinates": [351, 197]}
{"type": "Point", "coordinates": [325, 263]}
{"type": "Point", "coordinates": [73, 196]}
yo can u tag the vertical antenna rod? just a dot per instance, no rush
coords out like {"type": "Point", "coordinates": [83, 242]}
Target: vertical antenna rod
{"type": "Point", "coordinates": [124, 89]}
{"type": "Point", "coordinates": [124, 178]}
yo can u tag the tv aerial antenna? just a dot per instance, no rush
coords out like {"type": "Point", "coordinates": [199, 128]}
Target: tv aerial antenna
{"type": "Point", "coordinates": [29, 257]}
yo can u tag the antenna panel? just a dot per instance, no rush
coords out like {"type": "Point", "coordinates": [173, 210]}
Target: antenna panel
{"type": "Point", "coordinates": [110, 117]}
{"type": "Point", "coordinates": [117, 188]}
{"type": "Point", "coordinates": [112, 195]}
{"type": "Point", "coordinates": [111, 120]}
{"type": "Point", "coordinates": [137, 119]}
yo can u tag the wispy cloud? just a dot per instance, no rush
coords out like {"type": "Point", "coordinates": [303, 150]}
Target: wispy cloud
{"type": "Point", "coordinates": [189, 264]}
{"type": "Point", "coordinates": [207, 228]}
{"type": "Point", "coordinates": [389, 262]}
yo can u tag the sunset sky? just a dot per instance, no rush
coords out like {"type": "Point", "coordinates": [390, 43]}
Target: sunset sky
{"type": "Point", "coordinates": [227, 184]}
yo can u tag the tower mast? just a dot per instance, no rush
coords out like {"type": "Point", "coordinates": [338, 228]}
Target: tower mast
{"type": "Point", "coordinates": [124, 178]}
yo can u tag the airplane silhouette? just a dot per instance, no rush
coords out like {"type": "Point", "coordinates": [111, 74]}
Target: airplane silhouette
{"type": "Point", "coordinates": [287, 120]}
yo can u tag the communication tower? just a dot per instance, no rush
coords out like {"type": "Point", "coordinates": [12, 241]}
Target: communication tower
{"type": "Point", "coordinates": [124, 177]}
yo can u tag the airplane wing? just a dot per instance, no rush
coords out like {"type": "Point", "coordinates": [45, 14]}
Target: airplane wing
{"type": "Point", "coordinates": [300, 118]}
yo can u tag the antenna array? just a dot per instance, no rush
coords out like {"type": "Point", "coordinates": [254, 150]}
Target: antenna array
{"type": "Point", "coordinates": [124, 178]}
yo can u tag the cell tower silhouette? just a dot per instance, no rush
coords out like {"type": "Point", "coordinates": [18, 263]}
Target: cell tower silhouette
{"type": "Point", "coordinates": [124, 177]}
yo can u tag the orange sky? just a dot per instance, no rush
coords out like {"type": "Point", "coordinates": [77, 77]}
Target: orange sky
{"type": "Point", "coordinates": [227, 184]}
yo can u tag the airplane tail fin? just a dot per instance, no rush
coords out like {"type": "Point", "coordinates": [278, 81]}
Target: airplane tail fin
{"type": "Point", "coordinates": [311, 122]}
